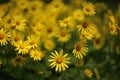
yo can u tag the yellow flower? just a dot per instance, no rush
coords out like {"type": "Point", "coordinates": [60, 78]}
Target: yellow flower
{"type": "Point", "coordinates": [88, 73]}
{"type": "Point", "coordinates": [33, 41]}
{"type": "Point", "coordinates": [63, 35]}
{"type": "Point", "coordinates": [22, 47]}
{"type": "Point", "coordinates": [85, 26]}
{"type": "Point", "coordinates": [4, 36]}
{"type": "Point", "coordinates": [113, 29]}
{"type": "Point", "coordinates": [98, 42]}
{"type": "Point", "coordinates": [78, 15]}
{"type": "Point", "coordinates": [88, 8]}
{"type": "Point", "coordinates": [80, 49]}
{"type": "Point", "coordinates": [59, 61]}
{"type": "Point", "coordinates": [49, 44]}
{"type": "Point", "coordinates": [16, 37]}
{"type": "Point", "coordinates": [65, 22]}
{"type": "Point", "coordinates": [36, 54]}
{"type": "Point", "coordinates": [18, 61]}
{"type": "Point", "coordinates": [18, 23]}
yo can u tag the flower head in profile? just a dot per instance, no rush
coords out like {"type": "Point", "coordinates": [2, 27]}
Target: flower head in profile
{"type": "Point", "coordinates": [59, 61]}
{"type": "Point", "coordinates": [4, 36]}
{"type": "Point", "coordinates": [88, 73]}
{"type": "Point", "coordinates": [80, 49]}
{"type": "Point", "coordinates": [88, 8]}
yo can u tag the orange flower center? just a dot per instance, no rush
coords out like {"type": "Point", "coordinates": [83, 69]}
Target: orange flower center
{"type": "Point", "coordinates": [88, 9]}
{"type": "Point", "coordinates": [18, 59]}
{"type": "Point", "coordinates": [59, 60]}
{"type": "Point", "coordinates": [21, 46]}
{"type": "Point", "coordinates": [78, 47]}
{"type": "Point", "coordinates": [32, 42]}
{"type": "Point", "coordinates": [1, 36]}
{"type": "Point", "coordinates": [84, 24]}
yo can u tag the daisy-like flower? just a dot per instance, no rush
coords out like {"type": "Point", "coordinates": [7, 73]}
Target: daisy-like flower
{"type": "Point", "coordinates": [22, 47]}
{"type": "Point", "coordinates": [33, 41]}
{"type": "Point", "coordinates": [49, 44]}
{"type": "Point", "coordinates": [4, 36]}
{"type": "Point", "coordinates": [18, 23]}
{"type": "Point", "coordinates": [78, 15]}
{"type": "Point", "coordinates": [18, 61]}
{"type": "Point", "coordinates": [88, 8]}
{"type": "Point", "coordinates": [63, 35]}
{"type": "Point", "coordinates": [80, 49]}
{"type": "Point", "coordinates": [86, 26]}
{"type": "Point", "coordinates": [65, 22]}
{"type": "Point", "coordinates": [36, 54]}
{"type": "Point", "coordinates": [16, 37]}
{"type": "Point", "coordinates": [59, 61]}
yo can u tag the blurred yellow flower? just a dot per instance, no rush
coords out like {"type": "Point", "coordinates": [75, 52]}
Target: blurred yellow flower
{"type": "Point", "coordinates": [88, 8]}
{"type": "Point", "coordinates": [59, 61]}
{"type": "Point", "coordinates": [33, 41]}
{"type": "Point", "coordinates": [18, 23]}
{"type": "Point", "coordinates": [4, 36]}
{"type": "Point", "coordinates": [36, 54]}
{"type": "Point", "coordinates": [80, 49]}
{"type": "Point", "coordinates": [22, 47]}
{"type": "Point", "coordinates": [49, 44]}
{"type": "Point", "coordinates": [18, 61]}
{"type": "Point", "coordinates": [78, 15]}
{"type": "Point", "coordinates": [63, 35]}
{"type": "Point", "coordinates": [16, 37]}
{"type": "Point", "coordinates": [88, 73]}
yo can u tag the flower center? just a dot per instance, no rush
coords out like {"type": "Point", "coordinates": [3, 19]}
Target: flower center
{"type": "Point", "coordinates": [59, 60]}
{"type": "Point", "coordinates": [97, 41]}
{"type": "Point", "coordinates": [17, 23]}
{"type": "Point", "coordinates": [63, 34]}
{"type": "Point", "coordinates": [21, 47]}
{"type": "Point", "coordinates": [84, 24]}
{"type": "Point", "coordinates": [32, 42]}
{"type": "Point", "coordinates": [18, 59]}
{"type": "Point", "coordinates": [88, 9]}
{"type": "Point", "coordinates": [78, 47]}
{"type": "Point", "coordinates": [16, 38]}
{"type": "Point", "coordinates": [1, 36]}
{"type": "Point", "coordinates": [49, 30]}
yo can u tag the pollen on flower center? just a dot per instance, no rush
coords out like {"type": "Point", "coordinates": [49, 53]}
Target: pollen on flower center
{"type": "Point", "coordinates": [78, 47]}
{"type": "Point", "coordinates": [84, 24]}
{"type": "Point", "coordinates": [59, 60]}
{"type": "Point", "coordinates": [1, 36]}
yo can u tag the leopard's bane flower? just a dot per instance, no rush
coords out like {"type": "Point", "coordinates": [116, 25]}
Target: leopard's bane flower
{"type": "Point", "coordinates": [80, 49]}
{"type": "Point", "coordinates": [59, 61]}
